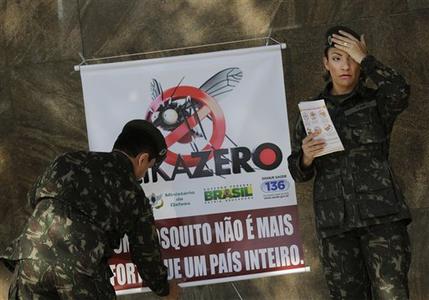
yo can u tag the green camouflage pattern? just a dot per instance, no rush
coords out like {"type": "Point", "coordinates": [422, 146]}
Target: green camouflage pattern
{"type": "Point", "coordinates": [368, 263]}
{"type": "Point", "coordinates": [361, 215]}
{"type": "Point", "coordinates": [83, 205]}
{"type": "Point", "coordinates": [356, 187]}
{"type": "Point", "coordinates": [28, 284]}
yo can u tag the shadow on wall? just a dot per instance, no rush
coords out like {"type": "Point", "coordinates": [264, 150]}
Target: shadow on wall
{"type": "Point", "coordinates": [42, 41]}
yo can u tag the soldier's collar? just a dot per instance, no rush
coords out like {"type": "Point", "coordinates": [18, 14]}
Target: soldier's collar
{"type": "Point", "coordinates": [326, 93]}
{"type": "Point", "coordinates": [124, 157]}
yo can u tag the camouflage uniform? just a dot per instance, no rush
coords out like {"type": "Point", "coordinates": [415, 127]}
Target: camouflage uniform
{"type": "Point", "coordinates": [356, 199]}
{"type": "Point", "coordinates": [83, 204]}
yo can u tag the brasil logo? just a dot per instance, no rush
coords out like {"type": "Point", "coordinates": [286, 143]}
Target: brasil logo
{"type": "Point", "coordinates": [229, 193]}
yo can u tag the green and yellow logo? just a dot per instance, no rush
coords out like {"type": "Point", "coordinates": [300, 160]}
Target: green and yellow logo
{"type": "Point", "coordinates": [228, 193]}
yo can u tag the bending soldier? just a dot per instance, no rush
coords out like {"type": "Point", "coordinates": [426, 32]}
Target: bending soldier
{"type": "Point", "coordinates": [83, 204]}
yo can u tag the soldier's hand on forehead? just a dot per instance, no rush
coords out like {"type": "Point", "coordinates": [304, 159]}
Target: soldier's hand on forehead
{"type": "Point", "coordinates": [311, 147]}
{"type": "Point", "coordinates": [352, 46]}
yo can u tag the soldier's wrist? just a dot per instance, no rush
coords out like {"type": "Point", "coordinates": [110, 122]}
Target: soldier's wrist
{"type": "Point", "coordinates": [305, 162]}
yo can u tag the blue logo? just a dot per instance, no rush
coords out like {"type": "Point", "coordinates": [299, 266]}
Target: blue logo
{"type": "Point", "coordinates": [275, 186]}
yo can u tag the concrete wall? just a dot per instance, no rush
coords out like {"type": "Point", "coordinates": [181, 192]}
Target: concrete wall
{"type": "Point", "coordinates": [42, 115]}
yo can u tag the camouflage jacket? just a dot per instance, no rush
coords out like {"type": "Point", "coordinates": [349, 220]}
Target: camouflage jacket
{"type": "Point", "coordinates": [356, 187]}
{"type": "Point", "coordinates": [84, 203]}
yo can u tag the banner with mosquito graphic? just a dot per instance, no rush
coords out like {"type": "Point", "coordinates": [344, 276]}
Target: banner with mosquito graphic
{"type": "Point", "coordinates": [223, 200]}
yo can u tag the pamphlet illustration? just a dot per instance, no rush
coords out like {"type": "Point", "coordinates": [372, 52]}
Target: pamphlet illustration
{"type": "Point", "coordinates": [316, 118]}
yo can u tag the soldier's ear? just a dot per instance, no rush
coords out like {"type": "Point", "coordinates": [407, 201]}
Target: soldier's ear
{"type": "Point", "coordinates": [325, 63]}
{"type": "Point", "coordinates": [143, 158]}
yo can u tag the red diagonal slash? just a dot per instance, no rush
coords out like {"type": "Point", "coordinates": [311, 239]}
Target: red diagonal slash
{"type": "Point", "coordinates": [183, 129]}
{"type": "Point", "coordinates": [208, 106]}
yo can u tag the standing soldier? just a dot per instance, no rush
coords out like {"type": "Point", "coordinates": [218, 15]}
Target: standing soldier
{"type": "Point", "coordinates": [361, 215]}
{"type": "Point", "coordinates": [83, 204]}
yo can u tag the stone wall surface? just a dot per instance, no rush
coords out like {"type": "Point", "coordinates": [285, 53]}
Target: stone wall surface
{"type": "Point", "coordinates": [42, 112]}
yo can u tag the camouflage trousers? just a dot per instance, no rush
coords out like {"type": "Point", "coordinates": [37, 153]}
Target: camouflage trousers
{"type": "Point", "coordinates": [368, 263]}
{"type": "Point", "coordinates": [40, 280]}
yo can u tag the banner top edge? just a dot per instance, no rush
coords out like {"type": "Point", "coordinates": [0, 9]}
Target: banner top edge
{"type": "Point", "coordinates": [177, 57]}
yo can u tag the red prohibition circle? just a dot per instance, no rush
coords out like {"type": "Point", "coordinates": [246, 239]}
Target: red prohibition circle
{"type": "Point", "coordinates": [267, 156]}
{"type": "Point", "coordinates": [208, 106]}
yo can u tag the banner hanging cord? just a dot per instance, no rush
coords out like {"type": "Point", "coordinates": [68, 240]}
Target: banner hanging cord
{"type": "Point", "coordinates": [86, 61]}
{"type": "Point", "coordinates": [236, 290]}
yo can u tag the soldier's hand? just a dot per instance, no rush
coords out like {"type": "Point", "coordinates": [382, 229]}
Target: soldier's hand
{"type": "Point", "coordinates": [311, 147]}
{"type": "Point", "coordinates": [355, 48]}
{"type": "Point", "coordinates": [175, 291]}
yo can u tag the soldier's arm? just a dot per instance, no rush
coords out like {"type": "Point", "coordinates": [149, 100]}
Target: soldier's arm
{"type": "Point", "coordinates": [392, 89]}
{"type": "Point", "coordinates": [297, 170]}
{"type": "Point", "coordinates": [145, 248]}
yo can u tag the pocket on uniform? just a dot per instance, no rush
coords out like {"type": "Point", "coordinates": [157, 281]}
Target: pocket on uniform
{"type": "Point", "coordinates": [374, 190]}
{"type": "Point", "coordinates": [364, 130]}
{"type": "Point", "coordinates": [370, 175]}
{"type": "Point", "coordinates": [328, 203]}
{"type": "Point", "coordinates": [358, 119]}
{"type": "Point", "coordinates": [378, 204]}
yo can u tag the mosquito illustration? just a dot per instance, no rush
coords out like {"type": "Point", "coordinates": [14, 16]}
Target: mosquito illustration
{"type": "Point", "coordinates": [175, 111]}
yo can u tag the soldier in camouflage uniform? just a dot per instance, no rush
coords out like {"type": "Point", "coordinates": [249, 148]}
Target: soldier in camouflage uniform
{"type": "Point", "coordinates": [361, 215]}
{"type": "Point", "coordinates": [83, 204]}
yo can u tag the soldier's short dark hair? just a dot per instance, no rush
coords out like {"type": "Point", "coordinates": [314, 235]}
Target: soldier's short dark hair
{"type": "Point", "coordinates": [139, 136]}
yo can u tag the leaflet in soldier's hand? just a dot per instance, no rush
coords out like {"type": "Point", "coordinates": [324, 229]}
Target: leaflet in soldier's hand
{"type": "Point", "coordinates": [315, 117]}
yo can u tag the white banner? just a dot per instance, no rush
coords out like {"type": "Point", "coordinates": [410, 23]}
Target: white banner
{"type": "Point", "coordinates": [224, 201]}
